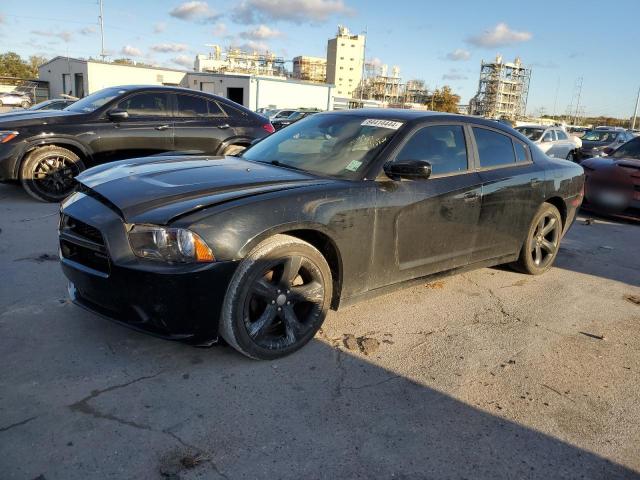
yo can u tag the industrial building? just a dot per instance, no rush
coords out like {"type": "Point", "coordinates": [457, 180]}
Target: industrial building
{"type": "Point", "coordinates": [312, 69]}
{"type": "Point", "coordinates": [82, 77]}
{"type": "Point", "coordinates": [502, 90]}
{"type": "Point", "coordinates": [381, 86]}
{"type": "Point", "coordinates": [235, 60]}
{"type": "Point", "coordinates": [345, 59]}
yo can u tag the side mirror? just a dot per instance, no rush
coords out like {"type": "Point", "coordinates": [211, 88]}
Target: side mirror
{"type": "Point", "coordinates": [117, 115]}
{"type": "Point", "coordinates": [410, 169]}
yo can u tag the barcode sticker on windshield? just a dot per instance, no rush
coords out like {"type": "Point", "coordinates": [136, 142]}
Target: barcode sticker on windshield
{"type": "Point", "coordinates": [376, 122]}
{"type": "Point", "coordinates": [353, 166]}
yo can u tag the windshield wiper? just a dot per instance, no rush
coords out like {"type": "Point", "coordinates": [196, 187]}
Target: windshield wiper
{"type": "Point", "coordinates": [277, 163]}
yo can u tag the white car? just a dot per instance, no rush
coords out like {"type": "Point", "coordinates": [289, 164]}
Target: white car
{"type": "Point", "coordinates": [553, 141]}
{"type": "Point", "coordinates": [15, 99]}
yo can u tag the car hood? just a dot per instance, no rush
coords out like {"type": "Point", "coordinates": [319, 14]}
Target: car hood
{"type": "Point", "coordinates": [158, 190]}
{"type": "Point", "coordinates": [599, 163]}
{"type": "Point", "coordinates": [26, 118]}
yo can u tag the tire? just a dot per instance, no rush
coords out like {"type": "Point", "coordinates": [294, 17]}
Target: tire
{"type": "Point", "coordinates": [541, 246]}
{"type": "Point", "coordinates": [269, 312]}
{"type": "Point", "coordinates": [25, 105]}
{"type": "Point", "coordinates": [571, 156]}
{"type": "Point", "coordinates": [233, 150]}
{"type": "Point", "coordinates": [47, 173]}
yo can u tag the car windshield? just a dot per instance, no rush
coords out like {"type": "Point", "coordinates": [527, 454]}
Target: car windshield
{"type": "Point", "coordinates": [95, 100]}
{"type": "Point", "coordinates": [600, 136]}
{"type": "Point", "coordinates": [328, 145]}
{"type": "Point", "coordinates": [630, 149]}
{"type": "Point", "coordinates": [532, 133]}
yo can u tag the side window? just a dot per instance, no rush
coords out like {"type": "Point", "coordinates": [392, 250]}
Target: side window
{"type": "Point", "coordinates": [147, 105]}
{"type": "Point", "coordinates": [549, 136]}
{"type": "Point", "coordinates": [522, 155]}
{"type": "Point", "coordinates": [443, 146]}
{"type": "Point", "coordinates": [193, 106]}
{"type": "Point", "coordinates": [561, 135]}
{"type": "Point", "coordinates": [494, 149]}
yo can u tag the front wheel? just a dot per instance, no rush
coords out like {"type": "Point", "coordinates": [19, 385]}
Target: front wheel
{"type": "Point", "coordinates": [543, 241]}
{"type": "Point", "coordinates": [571, 156]}
{"type": "Point", "coordinates": [277, 299]}
{"type": "Point", "coordinates": [47, 173]}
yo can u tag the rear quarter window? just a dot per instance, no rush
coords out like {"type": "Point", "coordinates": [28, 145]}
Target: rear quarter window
{"type": "Point", "coordinates": [494, 149]}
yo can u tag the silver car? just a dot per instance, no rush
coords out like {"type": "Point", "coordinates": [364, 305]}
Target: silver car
{"type": "Point", "coordinates": [553, 141]}
{"type": "Point", "coordinates": [15, 99]}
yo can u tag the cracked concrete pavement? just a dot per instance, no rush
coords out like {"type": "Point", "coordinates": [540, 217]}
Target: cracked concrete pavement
{"type": "Point", "coordinates": [490, 374]}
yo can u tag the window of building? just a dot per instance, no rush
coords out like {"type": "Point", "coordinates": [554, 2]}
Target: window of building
{"type": "Point", "coordinates": [341, 68]}
{"type": "Point", "coordinates": [350, 68]}
{"type": "Point", "coordinates": [341, 58]}
{"type": "Point", "coordinates": [494, 149]}
{"type": "Point", "coordinates": [443, 146]}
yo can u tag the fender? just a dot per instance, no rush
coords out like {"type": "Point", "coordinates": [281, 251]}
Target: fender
{"type": "Point", "coordinates": [35, 142]}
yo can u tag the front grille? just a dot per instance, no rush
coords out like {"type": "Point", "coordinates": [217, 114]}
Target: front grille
{"type": "Point", "coordinates": [83, 244]}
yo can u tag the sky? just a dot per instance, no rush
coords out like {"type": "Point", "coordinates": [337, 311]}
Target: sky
{"type": "Point", "coordinates": [440, 42]}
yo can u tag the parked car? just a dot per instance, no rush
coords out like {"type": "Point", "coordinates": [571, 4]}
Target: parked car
{"type": "Point", "coordinates": [279, 114]}
{"type": "Point", "coordinates": [45, 150]}
{"type": "Point", "coordinates": [280, 123]}
{"type": "Point", "coordinates": [612, 183]}
{"type": "Point", "coordinates": [15, 99]}
{"type": "Point", "coordinates": [53, 104]}
{"type": "Point", "coordinates": [602, 141]}
{"type": "Point", "coordinates": [553, 141]}
{"type": "Point", "coordinates": [336, 208]}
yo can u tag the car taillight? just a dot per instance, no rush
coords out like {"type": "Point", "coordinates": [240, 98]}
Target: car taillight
{"type": "Point", "coordinates": [268, 128]}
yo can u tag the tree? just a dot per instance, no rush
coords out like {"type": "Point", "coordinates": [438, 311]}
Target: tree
{"type": "Point", "coordinates": [12, 65]}
{"type": "Point", "coordinates": [444, 100]}
{"type": "Point", "coordinates": [34, 62]}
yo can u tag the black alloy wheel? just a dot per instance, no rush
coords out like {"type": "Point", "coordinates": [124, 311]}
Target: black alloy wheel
{"type": "Point", "coordinates": [48, 173]}
{"type": "Point", "coordinates": [277, 298]}
{"type": "Point", "coordinates": [543, 241]}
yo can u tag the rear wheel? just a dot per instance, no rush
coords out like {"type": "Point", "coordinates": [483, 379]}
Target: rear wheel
{"type": "Point", "coordinates": [25, 104]}
{"type": "Point", "coordinates": [543, 241]}
{"type": "Point", "coordinates": [277, 299]}
{"type": "Point", "coordinates": [233, 150]}
{"type": "Point", "coordinates": [571, 156]}
{"type": "Point", "coordinates": [47, 173]}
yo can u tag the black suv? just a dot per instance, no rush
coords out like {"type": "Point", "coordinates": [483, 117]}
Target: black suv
{"type": "Point", "coordinates": [45, 150]}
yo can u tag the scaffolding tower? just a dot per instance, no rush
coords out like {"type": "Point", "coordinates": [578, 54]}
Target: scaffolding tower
{"type": "Point", "coordinates": [503, 90]}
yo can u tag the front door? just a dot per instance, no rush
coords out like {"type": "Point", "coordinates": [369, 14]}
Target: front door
{"type": "Point", "coordinates": [428, 225]}
{"type": "Point", "coordinates": [200, 125]}
{"type": "Point", "coordinates": [148, 130]}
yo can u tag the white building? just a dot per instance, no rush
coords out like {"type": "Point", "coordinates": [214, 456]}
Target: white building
{"type": "Point", "coordinates": [255, 91]}
{"type": "Point", "coordinates": [83, 77]}
{"type": "Point", "coordinates": [345, 58]}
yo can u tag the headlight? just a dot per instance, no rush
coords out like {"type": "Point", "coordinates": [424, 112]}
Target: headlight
{"type": "Point", "coordinates": [174, 245]}
{"type": "Point", "coordinates": [6, 136]}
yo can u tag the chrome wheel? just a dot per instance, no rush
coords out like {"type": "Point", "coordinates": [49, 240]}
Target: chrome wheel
{"type": "Point", "coordinates": [284, 303]}
{"type": "Point", "coordinates": [544, 243]}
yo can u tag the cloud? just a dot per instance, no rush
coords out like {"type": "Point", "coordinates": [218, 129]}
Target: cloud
{"type": "Point", "coordinates": [169, 47]}
{"type": "Point", "coordinates": [184, 61]}
{"type": "Point", "coordinates": [90, 30]}
{"type": "Point", "coordinates": [499, 36]}
{"type": "Point", "coordinates": [296, 11]}
{"type": "Point", "coordinates": [159, 27]}
{"type": "Point", "coordinates": [260, 33]}
{"type": "Point", "coordinates": [130, 51]}
{"type": "Point", "coordinates": [253, 45]}
{"type": "Point", "coordinates": [219, 29]}
{"type": "Point", "coordinates": [459, 55]}
{"type": "Point", "coordinates": [63, 35]}
{"type": "Point", "coordinates": [195, 12]}
{"type": "Point", "coordinates": [2, 19]}
{"type": "Point", "coordinates": [454, 74]}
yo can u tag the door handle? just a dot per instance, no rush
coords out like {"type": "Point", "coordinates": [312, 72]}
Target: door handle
{"type": "Point", "coordinates": [471, 196]}
{"type": "Point", "coordinates": [224, 125]}
{"type": "Point", "coordinates": [162, 127]}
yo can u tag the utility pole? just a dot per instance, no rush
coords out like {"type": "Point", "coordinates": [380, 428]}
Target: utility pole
{"type": "Point", "coordinates": [101, 18]}
{"type": "Point", "coordinates": [579, 85]}
{"type": "Point", "coordinates": [364, 61]}
{"type": "Point", "coordinates": [635, 112]}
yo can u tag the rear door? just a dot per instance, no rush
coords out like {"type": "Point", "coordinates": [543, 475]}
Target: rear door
{"type": "Point", "coordinates": [512, 191]}
{"type": "Point", "coordinates": [200, 124]}
{"type": "Point", "coordinates": [148, 129]}
{"type": "Point", "coordinates": [429, 225]}
{"type": "Point", "coordinates": [564, 144]}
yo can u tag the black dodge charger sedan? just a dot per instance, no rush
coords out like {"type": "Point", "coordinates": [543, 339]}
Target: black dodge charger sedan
{"type": "Point", "coordinates": [331, 210]}
{"type": "Point", "coordinates": [45, 150]}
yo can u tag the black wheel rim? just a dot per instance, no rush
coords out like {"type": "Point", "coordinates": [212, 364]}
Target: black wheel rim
{"type": "Point", "coordinates": [53, 175]}
{"type": "Point", "coordinates": [284, 302]}
{"type": "Point", "coordinates": [545, 240]}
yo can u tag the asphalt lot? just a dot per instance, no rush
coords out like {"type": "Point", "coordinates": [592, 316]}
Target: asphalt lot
{"type": "Point", "coordinates": [486, 375]}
